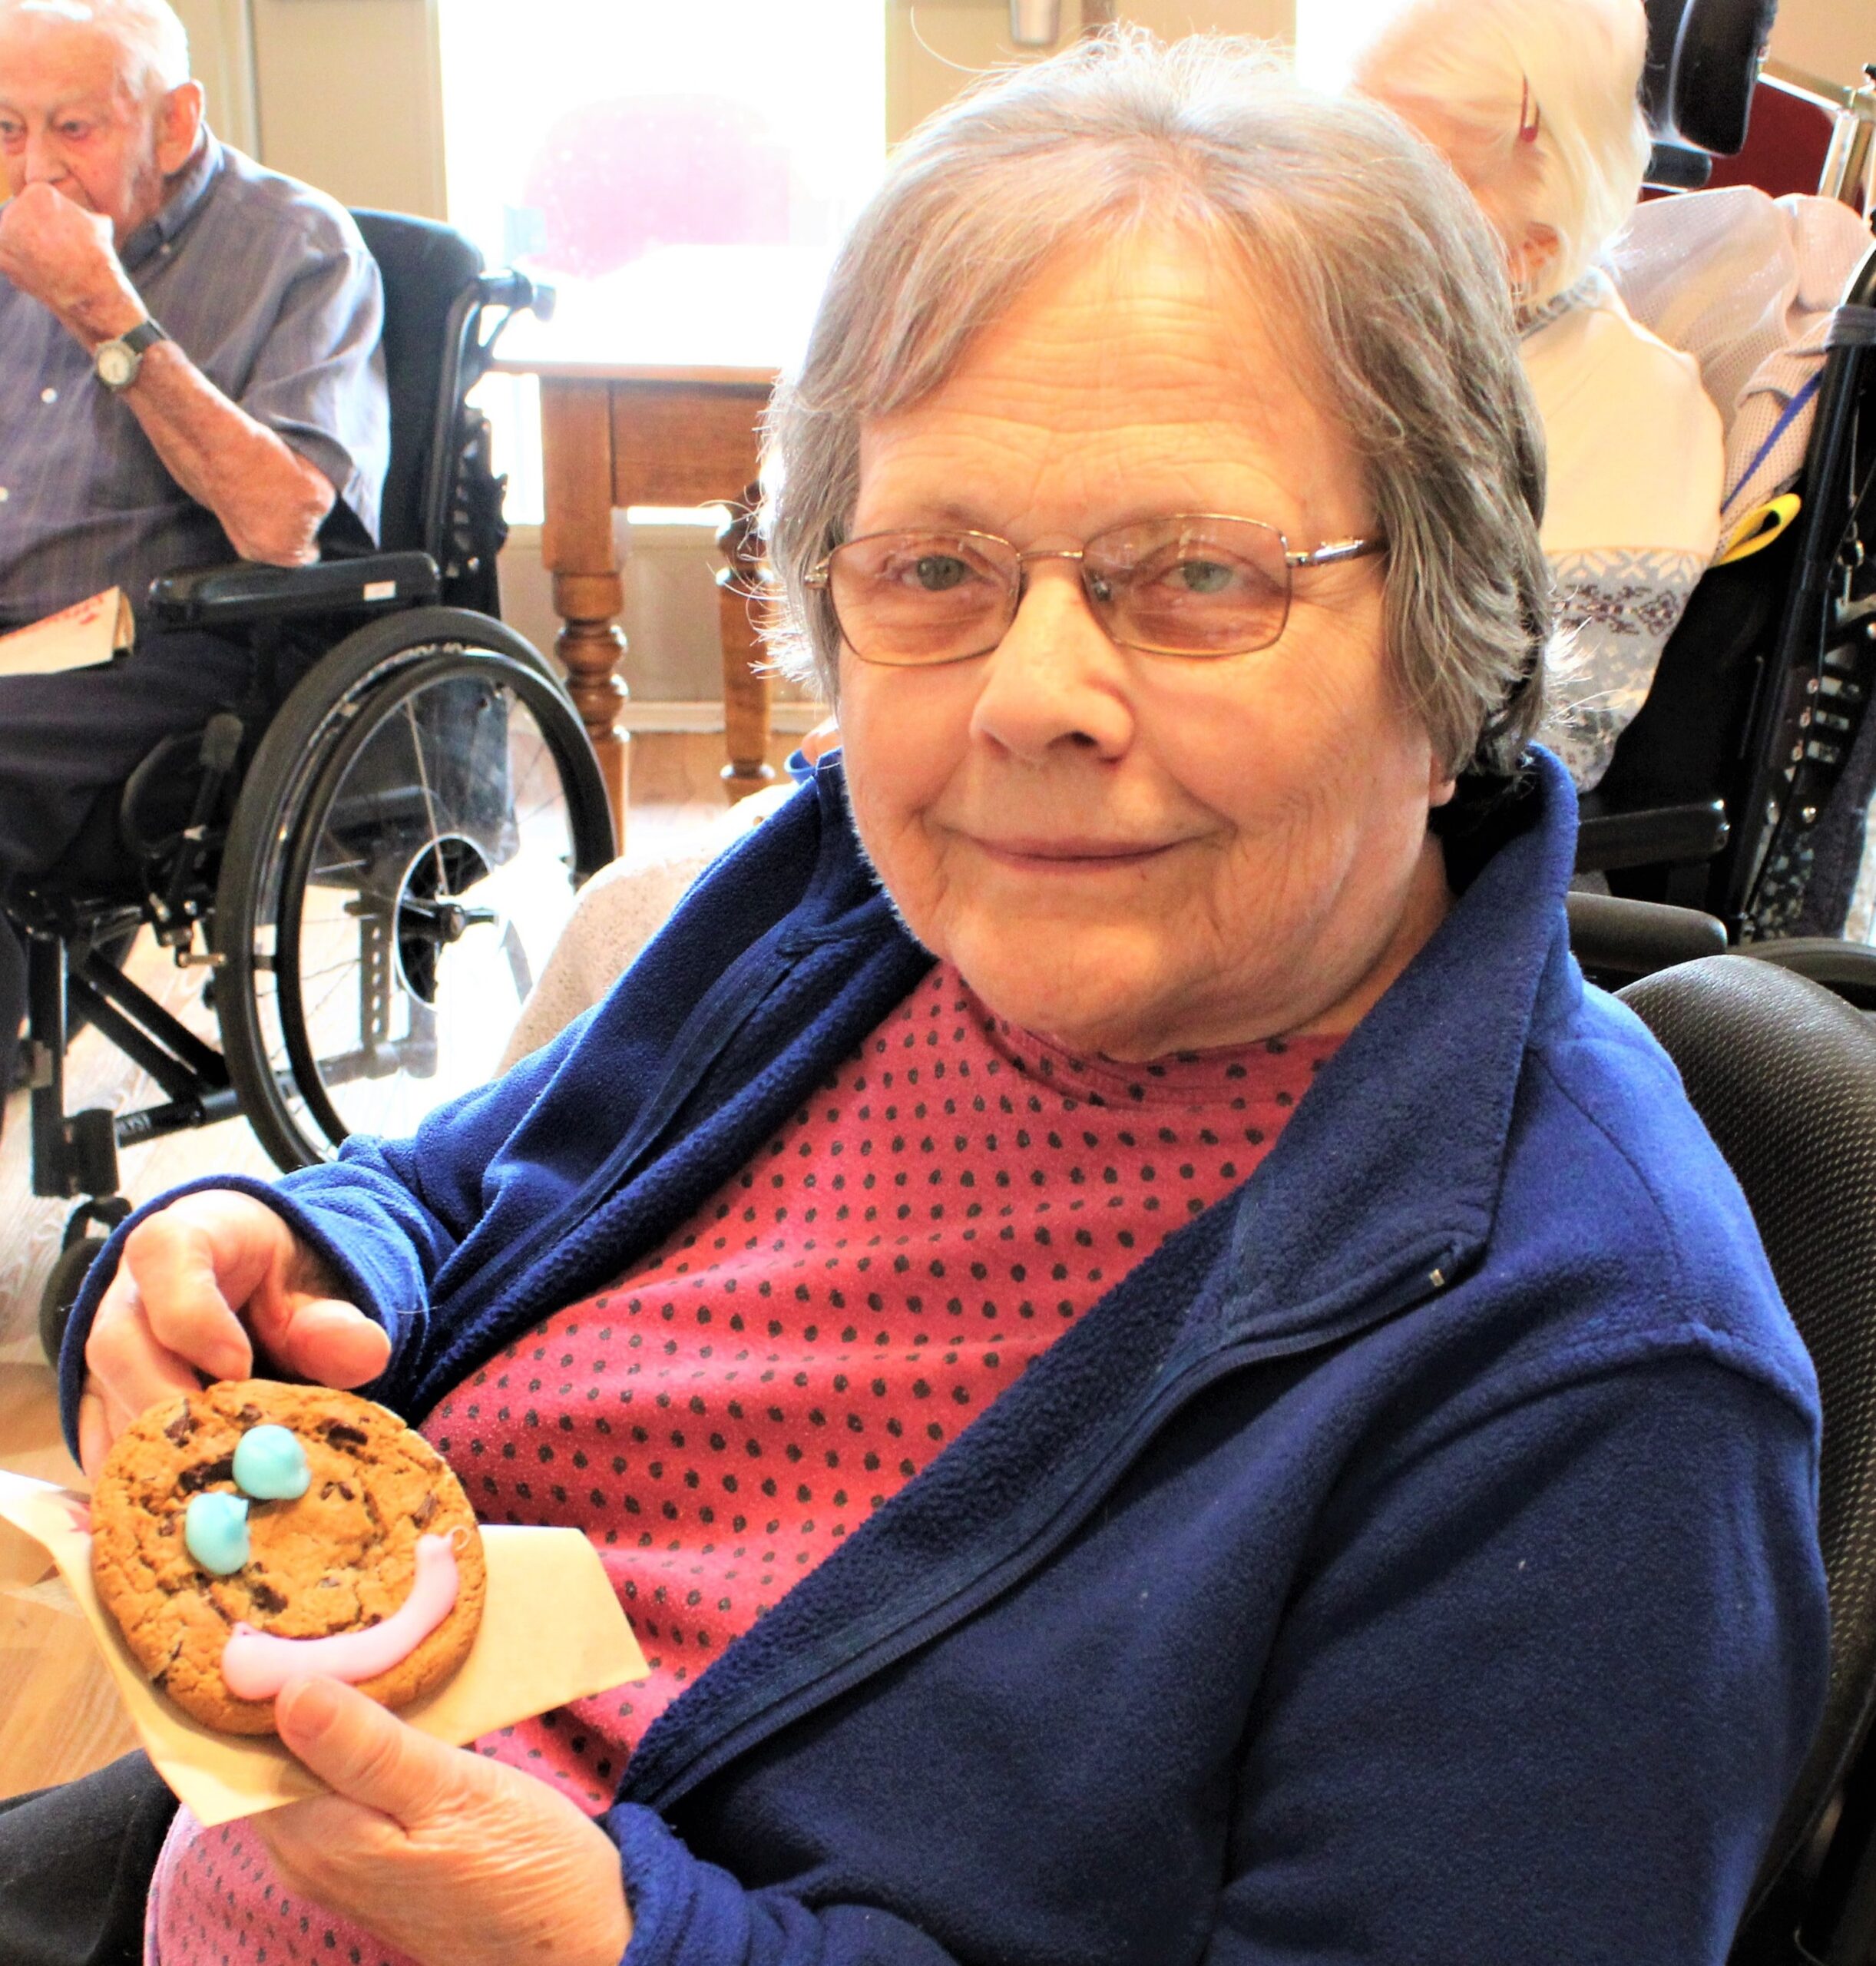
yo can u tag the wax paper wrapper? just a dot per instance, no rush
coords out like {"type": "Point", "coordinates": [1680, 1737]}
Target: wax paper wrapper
{"type": "Point", "coordinates": [551, 1631]}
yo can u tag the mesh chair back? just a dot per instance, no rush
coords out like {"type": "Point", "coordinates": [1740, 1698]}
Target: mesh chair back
{"type": "Point", "coordinates": [1784, 1074]}
{"type": "Point", "coordinates": [426, 267]}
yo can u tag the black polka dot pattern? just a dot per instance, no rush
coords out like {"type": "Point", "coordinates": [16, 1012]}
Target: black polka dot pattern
{"type": "Point", "coordinates": [943, 1207]}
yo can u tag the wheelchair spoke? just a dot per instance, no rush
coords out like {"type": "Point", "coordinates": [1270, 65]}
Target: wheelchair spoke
{"type": "Point", "coordinates": [422, 893]}
{"type": "Point", "coordinates": [423, 775]}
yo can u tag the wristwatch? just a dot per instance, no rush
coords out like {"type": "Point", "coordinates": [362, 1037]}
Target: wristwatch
{"type": "Point", "coordinates": [117, 361]}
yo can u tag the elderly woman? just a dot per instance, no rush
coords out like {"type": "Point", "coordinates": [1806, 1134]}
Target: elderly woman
{"type": "Point", "coordinates": [1535, 104]}
{"type": "Point", "coordinates": [1160, 1379]}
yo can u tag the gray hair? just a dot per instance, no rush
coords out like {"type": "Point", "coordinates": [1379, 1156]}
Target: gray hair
{"type": "Point", "coordinates": [1393, 281]}
{"type": "Point", "coordinates": [153, 42]}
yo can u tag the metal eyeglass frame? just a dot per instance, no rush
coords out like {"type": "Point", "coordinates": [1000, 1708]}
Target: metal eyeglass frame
{"type": "Point", "coordinates": [1330, 553]}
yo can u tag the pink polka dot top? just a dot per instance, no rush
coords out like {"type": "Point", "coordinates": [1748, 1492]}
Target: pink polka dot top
{"type": "Point", "coordinates": [942, 1208]}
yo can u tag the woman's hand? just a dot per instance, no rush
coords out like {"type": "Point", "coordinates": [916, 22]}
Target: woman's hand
{"type": "Point", "coordinates": [201, 1284]}
{"type": "Point", "coordinates": [455, 1859]}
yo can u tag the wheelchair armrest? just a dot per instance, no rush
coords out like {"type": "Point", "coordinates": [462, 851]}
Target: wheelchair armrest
{"type": "Point", "coordinates": [1849, 968]}
{"type": "Point", "coordinates": [1677, 167]}
{"type": "Point", "coordinates": [1612, 937]}
{"type": "Point", "coordinates": [1649, 837]}
{"type": "Point", "coordinates": [217, 597]}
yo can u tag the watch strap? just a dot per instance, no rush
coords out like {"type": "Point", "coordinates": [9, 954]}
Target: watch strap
{"type": "Point", "coordinates": [146, 334]}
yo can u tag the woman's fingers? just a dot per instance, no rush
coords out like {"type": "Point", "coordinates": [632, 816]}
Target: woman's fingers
{"type": "Point", "coordinates": [321, 1338]}
{"type": "Point", "coordinates": [452, 1858]}
{"type": "Point", "coordinates": [130, 1365]}
{"type": "Point", "coordinates": [194, 1279]}
{"type": "Point", "coordinates": [365, 1753]}
{"type": "Point", "coordinates": [190, 1267]}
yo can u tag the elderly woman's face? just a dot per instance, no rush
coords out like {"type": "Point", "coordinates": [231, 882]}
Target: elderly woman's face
{"type": "Point", "coordinates": [1137, 853]}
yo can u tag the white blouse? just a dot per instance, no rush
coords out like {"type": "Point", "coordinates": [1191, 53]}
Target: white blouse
{"type": "Point", "coordinates": [1631, 510]}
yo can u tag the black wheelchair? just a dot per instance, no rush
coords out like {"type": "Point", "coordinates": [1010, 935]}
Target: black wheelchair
{"type": "Point", "coordinates": [1742, 787]}
{"type": "Point", "coordinates": [369, 883]}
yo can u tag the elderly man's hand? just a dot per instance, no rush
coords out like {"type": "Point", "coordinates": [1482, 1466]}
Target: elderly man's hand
{"type": "Point", "coordinates": [63, 256]}
{"type": "Point", "coordinates": [455, 1859]}
{"type": "Point", "coordinates": [201, 1284]}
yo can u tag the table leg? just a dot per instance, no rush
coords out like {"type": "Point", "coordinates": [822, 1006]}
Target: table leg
{"type": "Point", "coordinates": [746, 683]}
{"type": "Point", "coordinates": [577, 548]}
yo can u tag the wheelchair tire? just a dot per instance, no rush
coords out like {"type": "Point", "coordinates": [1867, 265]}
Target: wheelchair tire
{"type": "Point", "coordinates": [329, 845]}
{"type": "Point", "coordinates": [61, 1292]}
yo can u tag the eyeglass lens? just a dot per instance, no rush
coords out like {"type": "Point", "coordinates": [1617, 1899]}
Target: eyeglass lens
{"type": "Point", "coordinates": [1187, 585]}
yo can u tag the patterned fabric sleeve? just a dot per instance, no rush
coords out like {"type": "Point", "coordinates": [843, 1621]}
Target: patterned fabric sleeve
{"type": "Point", "coordinates": [1616, 608]}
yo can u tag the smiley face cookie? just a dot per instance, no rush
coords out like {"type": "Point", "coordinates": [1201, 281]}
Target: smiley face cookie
{"type": "Point", "coordinates": [254, 1532]}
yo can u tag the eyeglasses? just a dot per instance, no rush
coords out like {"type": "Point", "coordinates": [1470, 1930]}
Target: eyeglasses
{"type": "Point", "coordinates": [1200, 585]}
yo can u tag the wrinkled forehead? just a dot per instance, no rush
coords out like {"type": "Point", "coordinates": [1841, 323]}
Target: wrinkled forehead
{"type": "Point", "coordinates": [1151, 328]}
{"type": "Point", "coordinates": [52, 52]}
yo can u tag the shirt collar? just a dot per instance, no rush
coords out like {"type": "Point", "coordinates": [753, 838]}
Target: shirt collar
{"type": "Point", "coordinates": [1584, 293]}
{"type": "Point", "coordinates": [188, 188]}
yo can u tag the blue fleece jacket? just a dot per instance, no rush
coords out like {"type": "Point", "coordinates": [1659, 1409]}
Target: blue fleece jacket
{"type": "Point", "coordinates": [1414, 1560]}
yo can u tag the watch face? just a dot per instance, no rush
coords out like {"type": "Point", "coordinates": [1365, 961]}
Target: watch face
{"type": "Point", "coordinates": [117, 365]}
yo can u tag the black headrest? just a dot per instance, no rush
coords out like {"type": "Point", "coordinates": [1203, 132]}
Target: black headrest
{"type": "Point", "coordinates": [1783, 1072]}
{"type": "Point", "coordinates": [426, 266]}
{"type": "Point", "coordinates": [1703, 58]}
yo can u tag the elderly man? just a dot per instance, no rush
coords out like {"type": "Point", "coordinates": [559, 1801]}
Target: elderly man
{"type": "Point", "coordinates": [189, 371]}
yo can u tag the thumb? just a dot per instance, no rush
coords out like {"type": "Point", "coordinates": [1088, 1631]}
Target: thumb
{"type": "Point", "coordinates": [323, 1339]}
{"type": "Point", "coordinates": [363, 1752]}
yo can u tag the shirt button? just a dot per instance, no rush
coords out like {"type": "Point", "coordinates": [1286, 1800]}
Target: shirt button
{"type": "Point", "coordinates": [5, 495]}
{"type": "Point", "coordinates": [48, 396]}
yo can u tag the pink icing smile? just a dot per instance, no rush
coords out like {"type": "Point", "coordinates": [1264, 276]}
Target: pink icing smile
{"type": "Point", "coordinates": [256, 1664]}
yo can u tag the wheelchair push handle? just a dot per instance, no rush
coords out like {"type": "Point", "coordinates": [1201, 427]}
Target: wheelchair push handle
{"type": "Point", "coordinates": [515, 290]}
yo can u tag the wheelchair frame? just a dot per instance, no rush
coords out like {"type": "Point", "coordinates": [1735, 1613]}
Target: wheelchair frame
{"type": "Point", "coordinates": [1743, 847]}
{"type": "Point", "coordinates": [72, 936]}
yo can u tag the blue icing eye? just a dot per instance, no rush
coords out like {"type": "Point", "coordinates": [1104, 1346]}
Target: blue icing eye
{"type": "Point", "coordinates": [270, 1464]}
{"type": "Point", "coordinates": [215, 1529]}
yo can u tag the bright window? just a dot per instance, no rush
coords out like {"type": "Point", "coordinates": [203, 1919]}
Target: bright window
{"type": "Point", "coordinates": [680, 174]}
{"type": "Point", "coordinates": [1326, 31]}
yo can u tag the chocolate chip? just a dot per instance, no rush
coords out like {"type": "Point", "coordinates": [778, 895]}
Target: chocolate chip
{"type": "Point", "coordinates": [266, 1597]}
{"type": "Point", "coordinates": [248, 1415]}
{"type": "Point", "coordinates": [180, 1429]}
{"type": "Point", "coordinates": [424, 1510]}
{"type": "Point", "coordinates": [341, 1435]}
{"type": "Point", "coordinates": [193, 1479]}
{"type": "Point", "coordinates": [329, 1489]}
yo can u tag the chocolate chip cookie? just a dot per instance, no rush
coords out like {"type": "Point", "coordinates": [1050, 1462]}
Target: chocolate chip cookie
{"type": "Point", "coordinates": [352, 1549]}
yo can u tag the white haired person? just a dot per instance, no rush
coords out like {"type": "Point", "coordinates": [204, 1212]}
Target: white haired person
{"type": "Point", "coordinates": [189, 371]}
{"type": "Point", "coordinates": [1535, 104]}
{"type": "Point", "coordinates": [1161, 1382]}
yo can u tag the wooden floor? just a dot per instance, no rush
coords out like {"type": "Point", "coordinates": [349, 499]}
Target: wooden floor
{"type": "Point", "coordinates": [58, 1718]}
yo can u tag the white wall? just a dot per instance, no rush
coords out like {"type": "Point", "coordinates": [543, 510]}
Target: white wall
{"type": "Point", "coordinates": [350, 98]}
{"type": "Point", "coordinates": [1831, 39]}
{"type": "Point", "coordinates": [221, 53]}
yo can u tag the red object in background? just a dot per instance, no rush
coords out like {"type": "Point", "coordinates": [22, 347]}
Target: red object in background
{"type": "Point", "coordinates": [615, 179]}
{"type": "Point", "coordinates": [1784, 146]}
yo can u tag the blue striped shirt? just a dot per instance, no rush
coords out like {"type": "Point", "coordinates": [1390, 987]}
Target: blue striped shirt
{"type": "Point", "coordinates": [268, 288]}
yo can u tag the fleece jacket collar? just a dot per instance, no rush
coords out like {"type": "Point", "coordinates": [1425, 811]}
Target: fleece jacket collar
{"type": "Point", "coordinates": [1344, 1224]}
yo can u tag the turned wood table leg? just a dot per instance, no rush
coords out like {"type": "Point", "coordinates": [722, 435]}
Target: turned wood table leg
{"type": "Point", "coordinates": [577, 548]}
{"type": "Point", "coordinates": [746, 682]}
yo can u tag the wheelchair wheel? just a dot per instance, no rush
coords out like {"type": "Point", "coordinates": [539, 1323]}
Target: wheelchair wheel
{"type": "Point", "coordinates": [61, 1292]}
{"type": "Point", "coordinates": [404, 855]}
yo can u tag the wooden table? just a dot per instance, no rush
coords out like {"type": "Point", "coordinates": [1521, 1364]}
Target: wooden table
{"type": "Point", "coordinates": [615, 434]}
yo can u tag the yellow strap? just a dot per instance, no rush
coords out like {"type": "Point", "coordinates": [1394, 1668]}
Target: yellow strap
{"type": "Point", "coordinates": [1759, 527]}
